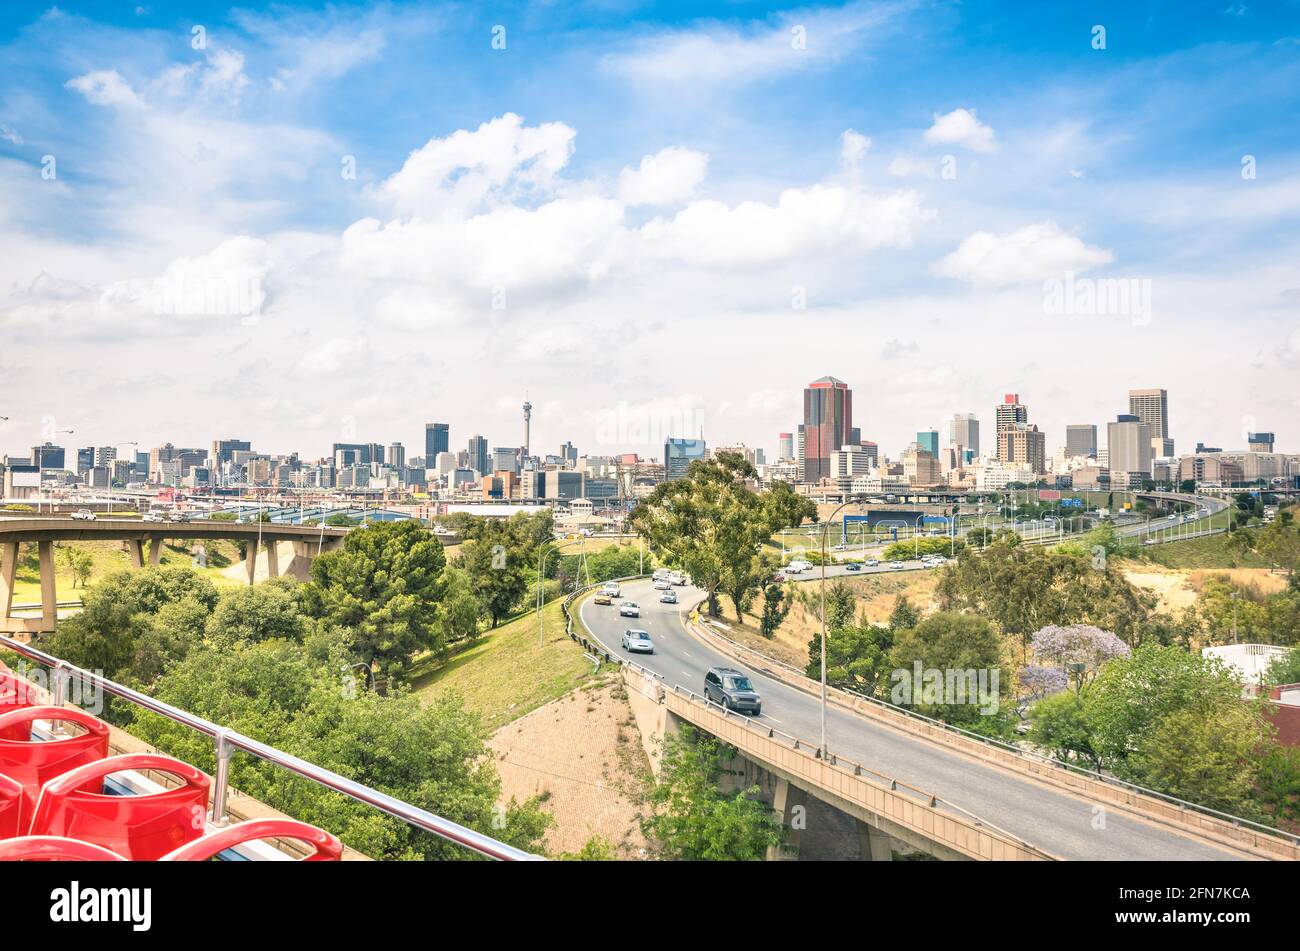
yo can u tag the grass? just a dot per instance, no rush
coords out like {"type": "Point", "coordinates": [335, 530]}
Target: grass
{"type": "Point", "coordinates": [506, 673]}
{"type": "Point", "coordinates": [107, 557]}
{"type": "Point", "coordinates": [1212, 551]}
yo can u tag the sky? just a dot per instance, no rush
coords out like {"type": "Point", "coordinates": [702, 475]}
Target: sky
{"type": "Point", "coordinates": [302, 223]}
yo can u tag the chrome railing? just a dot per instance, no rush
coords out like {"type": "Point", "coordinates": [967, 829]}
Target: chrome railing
{"type": "Point", "coordinates": [226, 741]}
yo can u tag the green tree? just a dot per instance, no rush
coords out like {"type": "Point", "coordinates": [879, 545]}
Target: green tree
{"type": "Point", "coordinates": [258, 613]}
{"type": "Point", "coordinates": [498, 568]}
{"type": "Point", "coordinates": [1059, 724]}
{"type": "Point", "coordinates": [1284, 670]}
{"type": "Point", "coordinates": [692, 820]}
{"type": "Point", "coordinates": [383, 587]}
{"type": "Point", "coordinates": [776, 607]}
{"type": "Point", "coordinates": [461, 608]}
{"type": "Point", "coordinates": [960, 648]}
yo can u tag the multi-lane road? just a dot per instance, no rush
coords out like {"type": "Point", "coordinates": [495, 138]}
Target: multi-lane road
{"type": "Point", "coordinates": [1063, 824]}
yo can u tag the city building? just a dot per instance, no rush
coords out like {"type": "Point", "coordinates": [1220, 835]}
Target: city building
{"type": "Point", "coordinates": [1129, 450]}
{"type": "Point", "coordinates": [920, 467]}
{"type": "Point", "coordinates": [437, 439]}
{"type": "Point", "coordinates": [1010, 412]}
{"type": "Point", "coordinates": [1023, 445]}
{"type": "Point", "coordinates": [1256, 442]}
{"type": "Point", "coordinates": [1081, 440]}
{"type": "Point", "coordinates": [928, 439]}
{"type": "Point", "coordinates": [505, 459]}
{"type": "Point", "coordinates": [397, 455]}
{"type": "Point", "coordinates": [1152, 407]}
{"type": "Point", "coordinates": [478, 455]}
{"type": "Point", "coordinates": [679, 454]}
{"type": "Point", "coordinates": [569, 455]}
{"type": "Point", "coordinates": [784, 446]}
{"type": "Point", "coordinates": [964, 431]}
{"type": "Point", "coordinates": [827, 424]}
{"type": "Point", "coordinates": [48, 456]}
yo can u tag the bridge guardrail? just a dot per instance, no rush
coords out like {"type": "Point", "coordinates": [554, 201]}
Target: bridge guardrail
{"type": "Point", "coordinates": [1239, 831]}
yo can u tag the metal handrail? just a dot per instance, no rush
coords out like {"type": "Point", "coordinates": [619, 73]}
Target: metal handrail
{"type": "Point", "coordinates": [1020, 751]}
{"type": "Point", "coordinates": [225, 740]}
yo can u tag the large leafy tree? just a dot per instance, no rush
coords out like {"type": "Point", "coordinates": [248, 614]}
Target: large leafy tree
{"type": "Point", "coordinates": [383, 587]}
{"type": "Point", "coordinates": [691, 819]}
{"type": "Point", "coordinates": [952, 644]}
{"type": "Point", "coordinates": [711, 524]}
{"type": "Point", "coordinates": [499, 568]}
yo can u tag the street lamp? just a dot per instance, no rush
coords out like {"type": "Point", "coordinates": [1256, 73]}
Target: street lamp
{"type": "Point", "coordinates": [541, 594]}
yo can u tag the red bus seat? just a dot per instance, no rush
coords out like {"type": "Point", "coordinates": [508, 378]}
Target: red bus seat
{"type": "Point", "coordinates": [34, 762]}
{"type": "Point", "coordinates": [326, 847]}
{"type": "Point", "coordinates": [11, 808]}
{"type": "Point", "coordinates": [53, 848]}
{"type": "Point", "coordinates": [142, 828]}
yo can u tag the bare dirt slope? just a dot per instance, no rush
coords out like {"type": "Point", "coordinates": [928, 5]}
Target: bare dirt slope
{"type": "Point", "coordinates": [583, 754]}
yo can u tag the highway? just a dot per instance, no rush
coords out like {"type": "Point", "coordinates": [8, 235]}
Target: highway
{"type": "Point", "coordinates": [1043, 816]}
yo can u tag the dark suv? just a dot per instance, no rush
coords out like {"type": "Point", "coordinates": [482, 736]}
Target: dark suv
{"type": "Point", "coordinates": [731, 688]}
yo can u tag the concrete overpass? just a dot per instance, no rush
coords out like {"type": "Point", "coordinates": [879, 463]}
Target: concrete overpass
{"type": "Point", "coordinates": [961, 796]}
{"type": "Point", "coordinates": [144, 542]}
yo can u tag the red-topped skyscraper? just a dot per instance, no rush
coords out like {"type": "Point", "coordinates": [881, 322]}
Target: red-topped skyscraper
{"type": "Point", "coordinates": [827, 421]}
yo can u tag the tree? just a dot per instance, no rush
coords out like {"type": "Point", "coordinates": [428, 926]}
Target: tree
{"type": "Point", "coordinates": [79, 563]}
{"type": "Point", "coordinates": [1132, 695]}
{"type": "Point", "coordinates": [1079, 650]}
{"type": "Point", "coordinates": [711, 524]}
{"type": "Point", "coordinates": [461, 608]}
{"type": "Point", "coordinates": [775, 609]}
{"type": "Point", "coordinates": [382, 586]}
{"type": "Point", "coordinates": [1283, 670]}
{"type": "Point", "coordinates": [958, 660]}
{"type": "Point", "coordinates": [692, 820]}
{"type": "Point", "coordinates": [1277, 786]}
{"type": "Point", "coordinates": [1059, 723]}
{"type": "Point", "coordinates": [258, 613]}
{"type": "Point", "coordinates": [498, 569]}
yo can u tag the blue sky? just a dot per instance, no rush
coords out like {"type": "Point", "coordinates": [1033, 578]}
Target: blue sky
{"type": "Point", "coordinates": [912, 173]}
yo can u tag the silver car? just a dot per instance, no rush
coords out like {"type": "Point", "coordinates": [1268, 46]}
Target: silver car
{"type": "Point", "coordinates": [637, 642]}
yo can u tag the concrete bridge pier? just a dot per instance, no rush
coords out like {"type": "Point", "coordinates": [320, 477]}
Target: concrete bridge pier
{"type": "Point", "coordinates": [8, 566]}
{"type": "Point", "coordinates": [790, 804]}
{"type": "Point", "coordinates": [874, 845]}
{"type": "Point", "coordinates": [9, 553]}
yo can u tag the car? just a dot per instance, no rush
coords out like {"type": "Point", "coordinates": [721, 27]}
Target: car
{"type": "Point", "coordinates": [896, 565]}
{"type": "Point", "coordinates": [84, 515]}
{"type": "Point", "coordinates": [182, 517]}
{"type": "Point", "coordinates": [612, 590]}
{"type": "Point", "coordinates": [871, 563]}
{"type": "Point", "coordinates": [668, 597]}
{"type": "Point", "coordinates": [677, 578]}
{"type": "Point", "coordinates": [839, 548]}
{"type": "Point", "coordinates": [629, 609]}
{"type": "Point", "coordinates": [637, 642]}
{"type": "Point", "coordinates": [662, 586]}
{"type": "Point", "coordinates": [152, 517]}
{"type": "Point", "coordinates": [853, 566]}
{"type": "Point", "coordinates": [732, 690]}
{"type": "Point", "coordinates": [660, 574]}
{"type": "Point", "coordinates": [603, 598]}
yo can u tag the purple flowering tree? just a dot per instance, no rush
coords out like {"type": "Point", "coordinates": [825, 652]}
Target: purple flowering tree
{"type": "Point", "coordinates": [1077, 651]}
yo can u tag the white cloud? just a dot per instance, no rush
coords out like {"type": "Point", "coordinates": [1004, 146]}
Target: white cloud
{"type": "Point", "coordinates": [853, 149]}
{"type": "Point", "coordinates": [1031, 253]}
{"type": "Point", "coordinates": [961, 127]}
{"type": "Point", "coordinates": [910, 166]}
{"type": "Point", "coordinates": [105, 87]}
{"type": "Point", "coordinates": [665, 178]}
{"type": "Point", "coordinates": [458, 172]}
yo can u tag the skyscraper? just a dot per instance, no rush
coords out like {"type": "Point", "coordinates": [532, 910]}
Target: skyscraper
{"type": "Point", "coordinates": [1128, 449]}
{"type": "Point", "coordinates": [1081, 440]}
{"type": "Point", "coordinates": [1255, 442]}
{"type": "Point", "coordinates": [679, 454]}
{"type": "Point", "coordinates": [1010, 413]}
{"type": "Point", "coordinates": [478, 455]}
{"type": "Point", "coordinates": [964, 431]}
{"type": "Point", "coordinates": [928, 439]}
{"type": "Point", "coordinates": [827, 423]}
{"type": "Point", "coordinates": [436, 440]}
{"type": "Point", "coordinates": [1152, 407]}
{"type": "Point", "coordinates": [785, 446]}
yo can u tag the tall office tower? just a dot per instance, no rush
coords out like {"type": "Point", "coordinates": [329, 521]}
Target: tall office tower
{"type": "Point", "coordinates": [48, 456]}
{"type": "Point", "coordinates": [1152, 407]}
{"type": "Point", "coordinates": [1025, 446]}
{"type": "Point", "coordinates": [801, 447]}
{"type": "Point", "coordinates": [679, 454]}
{"type": "Point", "coordinates": [928, 439]}
{"type": "Point", "coordinates": [397, 455]}
{"type": "Point", "coordinates": [106, 455]}
{"type": "Point", "coordinates": [569, 453]}
{"type": "Point", "coordinates": [505, 459]}
{"type": "Point", "coordinates": [1257, 442]}
{"type": "Point", "coordinates": [784, 446]}
{"type": "Point", "coordinates": [964, 431]}
{"type": "Point", "coordinates": [855, 436]}
{"type": "Point", "coordinates": [827, 424]}
{"type": "Point", "coordinates": [478, 455]}
{"type": "Point", "coordinates": [436, 436]}
{"type": "Point", "coordinates": [1128, 449]}
{"type": "Point", "coordinates": [223, 450]}
{"type": "Point", "coordinates": [1010, 413]}
{"type": "Point", "coordinates": [1081, 440]}
{"type": "Point", "coordinates": [85, 460]}
{"type": "Point", "coordinates": [528, 425]}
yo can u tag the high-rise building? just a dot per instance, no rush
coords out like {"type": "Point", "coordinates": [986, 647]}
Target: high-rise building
{"type": "Point", "coordinates": [1081, 440]}
{"type": "Point", "coordinates": [223, 450]}
{"type": "Point", "coordinates": [397, 455]}
{"type": "Point", "coordinates": [1152, 407]}
{"type": "Point", "coordinates": [478, 455]}
{"type": "Point", "coordinates": [964, 431]}
{"type": "Point", "coordinates": [1128, 450]}
{"type": "Point", "coordinates": [86, 460]}
{"type": "Point", "coordinates": [505, 459]}
{"type": "Point", "coordinates": [48, 456]}
{"type": "Point", "coordinates": [928, 439]}
{"type": "Point", "coordinates": [569, 455]}
{"type": "Point", "coordinates": [1010, 413]}
{"type": "Point", "coordinates": [784, 446]}
{"type": "Point", "coordinates": [1258, 442]}
{"type": "Point", "coordinates": [436, 439]}
{"type": "Point", "coordinates": [679, 454]}
{"type": "Point", "coordinates": [1023, 445]}
{"type": "Point", "coordinates": [827, 424]}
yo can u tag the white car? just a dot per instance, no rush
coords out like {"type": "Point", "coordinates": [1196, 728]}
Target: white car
{"type": "Point", "coordinates": [660, 574]}
{"type": "Point", "coordinates": [612, 590]}
{"type": "Point", "coordinates": [871, 562]}
{"type": "Point", "coordinates": [637, 642]}
{"type": "Point", "coordinates": [84, 515]}
{"type": "Point", "coordinates": [629, 609]}
{"type": "Point", "coordinates": [677, 578]}
{"type": "Point", "coordinates": [152, 517]}
{"type": "Point", "coordinates": [662, 585]}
